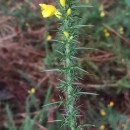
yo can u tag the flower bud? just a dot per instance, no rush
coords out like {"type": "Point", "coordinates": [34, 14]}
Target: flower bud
{"type": "Point", "coordinates": [69, 11]}
{"type": "Point", "coordinates": [63, 3]}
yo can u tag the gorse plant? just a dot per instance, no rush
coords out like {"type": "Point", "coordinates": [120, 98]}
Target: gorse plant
{"type": "Point", "coordinates": [68, 16]}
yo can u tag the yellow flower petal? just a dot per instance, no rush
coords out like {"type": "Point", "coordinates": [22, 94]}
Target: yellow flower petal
{"type": "Point", "coordinates": [49, 37]}
{"type": "Point", "coordinates": [102, 127]}
{"type": "Point", "coordinates": [47, 10]}
{"type": "Point", "coordinates": [32, 91]}
{"type": "Point", "coordinates": [121, 30]}
{"type": "Point", "coordinates": [106, 33]}
{"type": "Point", "coordinates": [102, 112]}
{"type": "Point", "coordinates": [43, 6]}
{"type": "Point", "coordinates": [102, 14]}
{"type": "Point", "coordinates": [46, 14]}
{"type": "Point", "coordinates": [58, 14]}
{"type": "Point", "coordinates": [111, 104]}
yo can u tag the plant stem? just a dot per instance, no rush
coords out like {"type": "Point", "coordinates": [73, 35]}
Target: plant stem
{"type": "Point", "coordinates": [69, 97]}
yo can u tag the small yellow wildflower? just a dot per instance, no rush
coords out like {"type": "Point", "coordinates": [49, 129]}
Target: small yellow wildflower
{"type": "Point", "coordinates": [102, 112]}
{"type": "Point", "coordinates": [106, 33]}
{"type": "Point", "coordinates": [121, 30]}
{"type": "Point", "coordinates": [111, 104]}
{"type": "Point", "coordinates": [32, 91]}
{"type": "Point", "coordinates": [66, 34]}
{"type": "Point", "coordinates": [49, 37]}
{"type": "Point", "coordinates": [102, 14]}
{"type": "Point", "coordinates": [102, 127]}
{"type": "Point", "coordinates": [47, 10]}
{"type": "Point", "coordinates": [69, 11]}
{"type": "Point", "coordinates": [58, 14]}
{"type": "Point", "coordinates": [63, 3]}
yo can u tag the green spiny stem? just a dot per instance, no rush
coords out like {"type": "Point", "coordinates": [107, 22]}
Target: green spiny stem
{"type": "Point", "coordinates": [68, 16]}
{"type": "Point", "coordinates": [70, 99]}
{"type": "Point", "coordinates": [68, 23]}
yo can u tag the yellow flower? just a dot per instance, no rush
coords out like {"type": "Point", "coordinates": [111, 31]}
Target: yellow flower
{"type": "Point", "coordinates": [49, 37]}
{"type": "Point", "coordinates": [66, 34]}
{"type": "Point", "coordinates": [58, 14]}
{"type": "Point", "coordinates": [111, 104]}
{"type": "Point", "coordinates": [102, 14]}
{"type": "Point", "coordinates": [69, 11]}
{"type": "Point", "coordinates": [63, 3]}
{"type": "Point", "coordinates": [121, 30]}
{"type": "Point", "coordinates": [47, 10]}
{"type": "Point", "coordinates": [32, 91]}
{"type": "Point", "coordinates": [101, 9]}
{"type": "Point", "coordinates": [102, 127]}
{"type": "Point", "coordinates": [106, 33]}
{"type": "Point", "coordinates": [102, 112]}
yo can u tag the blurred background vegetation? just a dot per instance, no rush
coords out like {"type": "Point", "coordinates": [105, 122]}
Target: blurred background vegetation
{"type": "Point", "coordinates": [27, 47]}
